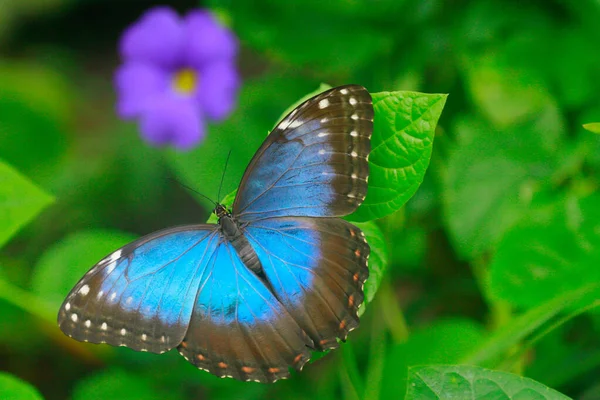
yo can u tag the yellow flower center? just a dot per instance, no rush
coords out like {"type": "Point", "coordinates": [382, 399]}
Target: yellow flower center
{"type": "Point", "coordinates": [185, 81]}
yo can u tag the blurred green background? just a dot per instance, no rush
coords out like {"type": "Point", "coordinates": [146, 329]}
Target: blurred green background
{"type": "Point", "coordinates": [493, 262]}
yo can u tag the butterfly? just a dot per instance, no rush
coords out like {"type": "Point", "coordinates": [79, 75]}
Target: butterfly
{"type": "Point", "coordinates": [279, 276]}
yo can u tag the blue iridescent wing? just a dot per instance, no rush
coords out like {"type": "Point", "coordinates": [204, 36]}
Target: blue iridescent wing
{"type": "Point", "coordinates": [238, 328]}
{"type": "Point", "coordinates": [317, 267]}
{"type": "Point", "coordinates": [314, 163]}
{"type": "Point", "coordinates": [142, 295]}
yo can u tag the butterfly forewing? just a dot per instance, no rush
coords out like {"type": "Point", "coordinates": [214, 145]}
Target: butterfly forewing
{"type": "Point", "coordinates": [315, 162]}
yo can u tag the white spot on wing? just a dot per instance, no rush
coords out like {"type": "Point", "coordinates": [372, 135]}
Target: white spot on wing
{"type": "Point", "coordinates": [322, 134]}
{"type": "Point", "coordinates": [344, 91]}
{"type": "Point", "coordinates": [123, 332]}
{"type": "Point", "coordinates": [296, 124]}
{"type": "Point", "coordinates": [354, 116]}
{"type": "Point", "coordinates": [352, 101]}
{"type": "Point", "coordinates": [104, 326]}
{"type": "Point", "coordinates": [129, 300]}
{"type": "Point", "coordinates": [88, 323]}
{"type": "Point", "coordinates": [113, 296]}
{"type": "Point", "coordinates": [68, 306]}
{"type": "Point", "coordinates": [321, 151]}
{"type": "Point", "coordinates": [354, 134]}
{"type": "Point", "coordinates": [74, 317]}
{"type": "Point", "coordinates": [324, 119]}
{"type": "Point", "coordinates": [323, 103]}
{"type": "Point", "coordinates": [115, 256]}
{"type": "Point", "coordinates": [111, 267]}
{"type": "Point", "coordinates": [85, 289]}
{"type": "Point", "coordinates": [144, 337]}
{"type": "Point", "coordinates": [112, 261]}
{"type": "Point", "coordinates": [354, 154]}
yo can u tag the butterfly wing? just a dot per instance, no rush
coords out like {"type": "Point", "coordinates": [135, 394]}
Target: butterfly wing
{"type": "Point", "coordinates": [317, 267]}
{"type": "Point", "coordinates": [238, 328]}
{"type": "Point", "coordinates": [142, 295]}
{"type": "Point", "coordinates": [315, 162]}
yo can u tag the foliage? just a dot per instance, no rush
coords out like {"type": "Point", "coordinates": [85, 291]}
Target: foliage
{"type": "Point", "coordinates": [483, 219]}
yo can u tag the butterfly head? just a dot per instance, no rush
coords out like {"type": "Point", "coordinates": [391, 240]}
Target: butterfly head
{"type": "Point", "coordinates": [220, 211]}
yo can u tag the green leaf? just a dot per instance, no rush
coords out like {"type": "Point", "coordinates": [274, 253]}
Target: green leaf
{"type": "Point", "coordinates": [119, 384]}
{"type": "Point", "coordinates": [402, 142]}
{"type": "Point", "coordinates": [541, 259]}
{"type": "Point", "coordinates": [443, 342]}
{"type": "Point", "coordinates": [378, 260]}
{"type": "Point", "coordinates": [20, 201]}
{"type": "Point", "coordinates": [437, 382]}
{"type": "Point", "coordinates": [492, 175]}
{"type": "Point", "coordinates": [13, 388]}
{"type": "Point", "coordinates": [593, 127]}
{"type": "Point", "coordinates": [64, 263]}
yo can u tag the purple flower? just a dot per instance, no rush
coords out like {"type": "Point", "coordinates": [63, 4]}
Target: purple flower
{"type": "Point", "coordinates": [176, 73]}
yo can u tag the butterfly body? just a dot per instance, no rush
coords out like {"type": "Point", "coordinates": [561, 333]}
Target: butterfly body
{"type": "Point", "coordinates": [280, 274]}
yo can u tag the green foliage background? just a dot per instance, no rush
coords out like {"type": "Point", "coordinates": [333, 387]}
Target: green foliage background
{"type": "Point", "coordinates": [485, 283]}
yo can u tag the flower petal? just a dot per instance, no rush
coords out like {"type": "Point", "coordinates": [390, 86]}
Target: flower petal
{"type": "Point", "coordinates": [206, 40]}
{"type": "Point", "coordinates": [157, 38]}
{"type": "Point", "coordinates": [217, 94]}
{"type": "Point", "coordinates": [137, 84]}
{"type": "Point", "coordinates": [172, 120]}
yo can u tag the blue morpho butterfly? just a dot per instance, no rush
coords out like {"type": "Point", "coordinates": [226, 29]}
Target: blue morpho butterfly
{"type": "Point", "coordinates": [278, 276]}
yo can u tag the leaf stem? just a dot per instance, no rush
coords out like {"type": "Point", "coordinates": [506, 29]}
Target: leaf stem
{"type": "Point", "coordinates": [349, 376]}
{"type": "Point", "coordinates": [26, 301]}
{"type": "Point", "coordinates": [392, 313]}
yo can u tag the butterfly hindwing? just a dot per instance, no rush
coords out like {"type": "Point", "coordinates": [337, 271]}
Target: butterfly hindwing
{"type": "Point", "coordinates": [142, 295]}
{"type": "Point", "coordinates": [315, 162]}
{"type": "Point", "coordinates": [238, 328]}
{"type": "Point", "coordinates": [317, 267]}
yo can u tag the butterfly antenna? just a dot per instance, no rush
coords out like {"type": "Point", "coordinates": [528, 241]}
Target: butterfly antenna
{"type": "Point", "coordinates": [223, 176]}
{"type": "Point", "coordinates": [192, 190]}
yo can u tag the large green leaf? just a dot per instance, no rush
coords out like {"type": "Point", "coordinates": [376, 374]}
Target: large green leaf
{"type": "Point", "coordinates": [20, 201]}
{"type": "Point", "coordinates": [12, 388]}
{"type": "Point", "coordinates": [538, 260]}
{"type": "Point", "coordinates": [491, 177]}
{"type": "Point", "coordinates": [438, 382]}
{"type": "Point", "coordinates": [402, 142]}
